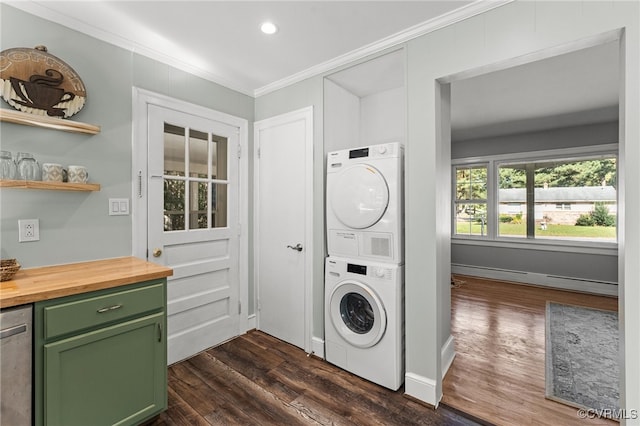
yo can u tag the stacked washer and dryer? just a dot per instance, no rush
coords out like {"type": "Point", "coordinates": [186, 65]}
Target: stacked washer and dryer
{"type": "Point", "coordinates": [364, 276]}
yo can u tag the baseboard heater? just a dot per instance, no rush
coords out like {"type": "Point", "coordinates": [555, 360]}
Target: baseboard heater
{"type": "Point", "coordinates": [553, 281]}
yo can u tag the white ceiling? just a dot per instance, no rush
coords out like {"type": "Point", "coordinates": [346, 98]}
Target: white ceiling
{"type": "Point", "coordinates": [576, 88]}
{"type": "Point", "coordinates": [221, 41]}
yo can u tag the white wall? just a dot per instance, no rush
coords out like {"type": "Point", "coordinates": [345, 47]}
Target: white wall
{"type": "Point", "coordinates": [378, 116]}
{"type": "Point", "coordinates": [341, 118]}
{"type": "Point", "coordinates": [510, 31]}
{"type": "Point", "coordinates": [513, 30]}
{"type": "Point", "coordinates": [383, 117]}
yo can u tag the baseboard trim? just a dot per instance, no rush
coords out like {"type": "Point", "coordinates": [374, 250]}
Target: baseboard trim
{"type": "Point", "coordinates": [563, 283]}
{"type": "Point", "coordinates": [422, 388]}
{"type": "Point", "coordinates": [448, 353]}
{"type": "Point", "coordinates": [251, 322]}
{"type": "Point", "coordinates": [317, 347]}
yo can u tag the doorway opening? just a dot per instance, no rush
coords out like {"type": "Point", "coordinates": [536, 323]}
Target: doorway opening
{"type": "Point", "coordinates": [548, 112]}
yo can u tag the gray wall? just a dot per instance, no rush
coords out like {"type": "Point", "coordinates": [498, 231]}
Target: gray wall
{"type": "Point", "coordinates": [75, 226]}
{"type": "Point", "coordinates": [585, 266]}
{"type": "Point", "coordinates": [566, 137]}
{"type": "Point", "coordinates": [595, 267]}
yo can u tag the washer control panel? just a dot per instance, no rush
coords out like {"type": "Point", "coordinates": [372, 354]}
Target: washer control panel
{"type": "Point", "coordinates": [356, 269]}
{"type": "Point", "coordinates": [378, 272]}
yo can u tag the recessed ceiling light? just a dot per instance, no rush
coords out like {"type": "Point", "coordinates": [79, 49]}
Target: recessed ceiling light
{"type": "Point", "coordinates": [268, 28]}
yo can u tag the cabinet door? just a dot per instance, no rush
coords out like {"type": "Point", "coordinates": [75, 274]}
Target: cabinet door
{"type": "Point", "coordinates": [112, 376]}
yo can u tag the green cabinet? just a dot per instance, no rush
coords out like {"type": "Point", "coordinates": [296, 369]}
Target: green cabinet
{"type": "Point", "coordinates": [101, 357]}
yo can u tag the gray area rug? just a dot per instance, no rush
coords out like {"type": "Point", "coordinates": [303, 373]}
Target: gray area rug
{"type": "Point", "coordinates": [582, 357]}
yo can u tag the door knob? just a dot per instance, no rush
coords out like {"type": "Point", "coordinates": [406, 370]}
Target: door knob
{"type": "Point", "coordinates": [298, 247]}
{"type": "Point", "coordinates": [157, 252]}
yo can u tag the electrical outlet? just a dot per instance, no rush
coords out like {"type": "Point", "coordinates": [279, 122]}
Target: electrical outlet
{"type": "Point", "coordinates": [28, 230]}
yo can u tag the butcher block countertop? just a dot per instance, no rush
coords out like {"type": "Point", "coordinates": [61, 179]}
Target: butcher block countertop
{"type": "Point", "coordinates": [49, 282]}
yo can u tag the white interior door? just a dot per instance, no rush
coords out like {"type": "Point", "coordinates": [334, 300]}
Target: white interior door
{"type": "Point", "coordinates": [283, 239]}
{"type": "Point", "coordinates": [193, 226]}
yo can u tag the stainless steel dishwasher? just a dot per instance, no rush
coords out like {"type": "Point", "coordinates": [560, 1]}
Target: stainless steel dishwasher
{"type": "Point", "coordinates": [15, 365]}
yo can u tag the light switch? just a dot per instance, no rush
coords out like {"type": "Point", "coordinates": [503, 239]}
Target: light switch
{"type": "Point", "coordinates": [118, 206]}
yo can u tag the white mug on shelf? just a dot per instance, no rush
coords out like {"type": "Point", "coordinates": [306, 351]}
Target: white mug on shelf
{"type": "Point", "coordinates": [77, 174]}
{"type": "Point", "coordinates": [52, 172]}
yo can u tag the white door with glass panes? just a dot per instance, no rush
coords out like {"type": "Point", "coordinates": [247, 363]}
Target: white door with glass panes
{"type": "Point", "coordinates": [192, 226]}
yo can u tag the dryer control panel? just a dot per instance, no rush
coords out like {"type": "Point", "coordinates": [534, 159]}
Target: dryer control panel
{"type": "Point", "coordinates": [340, 158]}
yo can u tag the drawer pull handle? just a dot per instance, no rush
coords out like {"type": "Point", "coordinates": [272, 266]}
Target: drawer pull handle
{"type": "Point", "coordinates": [12, 331]}
{"type": "Point", "coordinates": [109, 308]}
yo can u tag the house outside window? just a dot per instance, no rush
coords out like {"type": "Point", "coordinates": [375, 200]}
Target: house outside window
{"type": "Point", "coordinates": [550, 197]}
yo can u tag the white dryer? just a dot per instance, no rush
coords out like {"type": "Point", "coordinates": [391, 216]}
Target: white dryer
{"type": "Point", "coordinates": [364, 319]}
{"type": "Point", "coordinates": [365, 203]}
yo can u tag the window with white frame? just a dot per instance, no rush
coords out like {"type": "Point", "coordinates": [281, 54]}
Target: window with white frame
{"type": "Point", "coordinates": [470, 200]}
{"type": "Point", "coordinates": [553, 196]}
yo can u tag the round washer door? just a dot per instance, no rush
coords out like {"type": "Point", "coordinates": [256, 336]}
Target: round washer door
{"type": "Point", "coordinates": [359, 196]}
{"type": "Point", "coordinates": [357, 314]}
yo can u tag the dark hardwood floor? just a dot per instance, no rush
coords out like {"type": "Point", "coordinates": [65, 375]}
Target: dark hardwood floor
{"type": "Point", "coordinates": [498, 373]}
{"type": "Point", "coordinates": [497, 376]}
{"type": "Point", "coordinates": [256, 379]}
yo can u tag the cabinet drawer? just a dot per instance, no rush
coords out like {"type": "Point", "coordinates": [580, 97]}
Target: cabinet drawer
{"type": "Point", "coordinates": [90, 312]}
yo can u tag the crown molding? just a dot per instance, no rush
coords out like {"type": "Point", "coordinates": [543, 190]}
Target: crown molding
{"type": "Point", "coordinates": [477, 7]}
{"type": "Point", "coordinates": [41, 10]}
{"type": "Point", "coordinates": [457, 15]}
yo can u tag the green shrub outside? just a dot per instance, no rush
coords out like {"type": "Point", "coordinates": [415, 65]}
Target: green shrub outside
{"type": "Point", "coordinates": [598, 217]}
{"type": "Point", "coordinates": [505, 218]}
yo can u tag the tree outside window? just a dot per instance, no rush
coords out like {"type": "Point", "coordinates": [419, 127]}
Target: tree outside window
{"type": "Point", "coordinates": [471, 200]}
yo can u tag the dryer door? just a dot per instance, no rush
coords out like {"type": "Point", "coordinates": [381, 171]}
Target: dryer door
{"type": "Point", "coordinates": [359, 196]}
{"type": "Point", "coordinates": [357, 314]}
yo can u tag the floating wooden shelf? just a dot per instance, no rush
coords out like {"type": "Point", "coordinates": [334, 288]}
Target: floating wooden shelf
{"type": "Point", "coordinates": [19, 117]}
{"type": "Point", "coordinates": [56, 186]}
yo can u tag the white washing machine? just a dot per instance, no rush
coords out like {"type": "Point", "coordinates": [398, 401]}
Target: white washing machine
{"type": "Point", "coordinates": [365, 203]}
{"type": "Point", "coordinates": [364, 319]}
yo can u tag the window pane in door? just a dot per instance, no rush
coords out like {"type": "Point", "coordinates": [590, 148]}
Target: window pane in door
{"type": "Point", "coordinates": [198, 201]}
{"type": "Point", "coordinates": [174, 205]}
{"type": "Point", "coordinates": [219, 206]}
{"type": "Point", "coordinates": [174, 142]}
{"type": "Point", "coordinates": [219, 157]}
{"type": "Point", "coordinates": [198, 154]}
